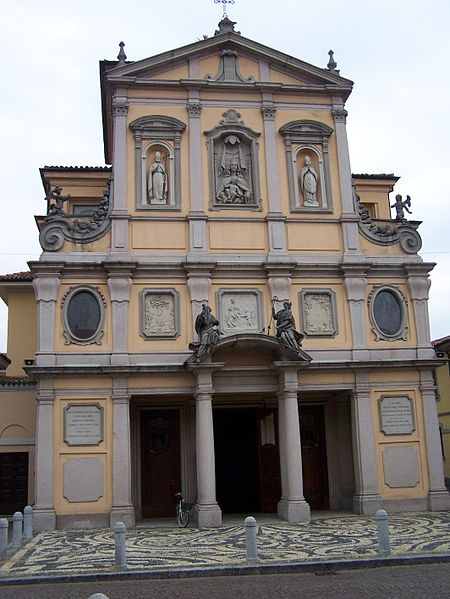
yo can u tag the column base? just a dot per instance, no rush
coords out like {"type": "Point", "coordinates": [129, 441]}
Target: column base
{"type": "Point", "coordinates": [44, 518]}
{"type": "Point", "coordinates": [367, 503]}
{"type": "Point", "coordinates": [123, 514]}
{"type": "Point", "coordinates": [294, 511]}
{"type": "Point", "coordinates": [208, 515]}
{"type": "Point", "coordinates": [439, 500]}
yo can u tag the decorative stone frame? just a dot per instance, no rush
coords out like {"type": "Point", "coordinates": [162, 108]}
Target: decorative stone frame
{"type": "Point", "coordinates": [232, 124]}
{"type": "Point", "coordinates": [84, 405]}
{"type": "Point", "coordinates": [176, 307]}
{"type": "Point", "coordinates": [157, 130]}
{"type": "Point", "coordinates": [221, 293]}
{"type": "Point", "coordinates": [333, 330]}
{"type": "Point", "coordinates": [100, 298]}
{"type": "Point", "coordinates": [380, 418]}
{"type": "Point", "coordinates": [403, 303]}
{"type": "Point", "coordinates": [314, 137]}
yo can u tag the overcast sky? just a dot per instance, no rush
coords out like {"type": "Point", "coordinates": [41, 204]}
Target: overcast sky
{"type": "Point", "coordinates": [396, 51]}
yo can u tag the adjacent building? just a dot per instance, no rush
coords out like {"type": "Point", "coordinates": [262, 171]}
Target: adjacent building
{"type": "Point", "coordinates": [152, 347]}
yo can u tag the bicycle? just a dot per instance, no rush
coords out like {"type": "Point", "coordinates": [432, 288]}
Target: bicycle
{"type": "Point", "coordinates": [183, 509]}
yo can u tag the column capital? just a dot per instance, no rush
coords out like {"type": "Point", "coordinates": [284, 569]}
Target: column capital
{"type": "Point", "coordinates": [119, 108]}
{"type": "Point", "coordinates": [194, 109]}
{"type": "Point", "coordinates": [339, 115]}
{"type": "Point", "coordinates": [268, 111]}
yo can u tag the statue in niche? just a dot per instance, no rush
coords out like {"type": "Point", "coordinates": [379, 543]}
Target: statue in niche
{"type": "Point", "coordinates": [309, 183]}
{"type": "Point", "coordinates": [157, 181]}
{"type": "Point", "coordinates": [285, 323]}
{"type": "Point", "coordinates": [233, 183]}
{"type": "Point", "coordinates": [208, 334]}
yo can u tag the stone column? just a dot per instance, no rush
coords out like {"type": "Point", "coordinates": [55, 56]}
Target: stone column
{"type": "Point", "coordinates": [198, 283]}
{"type": "Point", "coordinates": [196, 216]}
{"type": "Point", "coordinates": [419, 286]}
{"type": "Point", "coordinates": [355, 284]}
{"type": "Point", "coordinates": [275, 218]}
{"type": "Point", "coordinates": [438, 497]}
{"type": "Point", "coordinates": [122, 509]}
{"type": "Point", "coordinates": [349, 217]}
{"type": "Point", "coordinates": [44, 517]}
{"type": "Point", "coordinates": [208, 512]}
{"type": "Point", "coordinates": [292, 506]}
{"type": "Point", "coordinates": [46, 285]}
{"type": "Point", "coordinates": [366, 499]}
{"type": "Point", "coordinates": [119, 212]}
{"type": "Point", "coordinates": [119, 284]}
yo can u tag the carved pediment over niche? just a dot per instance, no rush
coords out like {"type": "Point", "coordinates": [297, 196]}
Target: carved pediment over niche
{"type": "Point", "coordinates": [233, 164]}
{"type": "Point", "coordinates": [229, 69]}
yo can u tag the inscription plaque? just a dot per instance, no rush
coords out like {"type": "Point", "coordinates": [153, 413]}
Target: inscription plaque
{"type": "Point", "coordinates": [396, 415]}
{"type": "Point", "coordinates": [83, 424]}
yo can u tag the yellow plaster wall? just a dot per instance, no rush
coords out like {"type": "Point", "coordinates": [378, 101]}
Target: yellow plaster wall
{"type": "Point", "coordinates": [180, 72]}
{"type": "Point", "coordinates": [17, 415]}
{"type": "Point", "coordinates": [159, 235]}
{"type": "Point", "coordinates": [369, 249]}
{"type": "Point", "coordinates": [442, 374]}
{"type": "Point", "coordinates": [313, 237]}
{"type": "Point", "coordinates": [106, 341]}
{"type": "Point", "coordinates": [172, 379]}
{"type": "Point", "coordinates": [21, 329]}
{"type": "Point", "coordinates": [237, 235]}
{"type": "Point", "coordinates": [416, 439]}
{"type": "Point", "coordinates": [341, 377]}
{"type": "Point", "coordinates": [64, 452]}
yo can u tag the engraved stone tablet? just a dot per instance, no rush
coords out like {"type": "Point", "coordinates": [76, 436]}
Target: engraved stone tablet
{"type": "Point", "coordinates": [83, 424]}
{"type": "Point", "coordinates": [396, 415]}
{"type": "Point", "coordinates": [83, 480]}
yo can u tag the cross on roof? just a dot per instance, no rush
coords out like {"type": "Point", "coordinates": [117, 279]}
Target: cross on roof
{"type": "Point", "coordinates": [224, 2]}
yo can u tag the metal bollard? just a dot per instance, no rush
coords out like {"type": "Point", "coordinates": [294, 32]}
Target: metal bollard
{"type": "Point", "coordinates": [17, 531]}
{"type": "Point", "coordinates": [3, 537]}
{"type": "Point", "coordinates": [120, 549]}
{"type": "Point", "coordinates": [28, 523]}
{"type": "Point", "coordinates": [98, 596]}
{"type": "Point", "coordinates": [251, 549]}
{"type": "Point", "coordinates": [384, 546]}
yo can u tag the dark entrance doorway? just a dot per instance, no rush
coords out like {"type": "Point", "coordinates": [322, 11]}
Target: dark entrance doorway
{"type": "Point", "coordinates": [13, 482]}
{"type": "Point", "coordinates": [160, 462]}
{"type": "Point", "coordinates": [247, 460]}
{"type": "Point", "coordinates": [314, 457]}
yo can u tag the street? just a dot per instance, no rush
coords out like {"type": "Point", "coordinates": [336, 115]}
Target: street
{"type": "Point", "coordinates": [430, 581]}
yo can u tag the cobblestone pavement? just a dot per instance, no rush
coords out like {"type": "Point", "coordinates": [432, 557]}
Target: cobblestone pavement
{"type": "Point", "coordinates": [84, 552]}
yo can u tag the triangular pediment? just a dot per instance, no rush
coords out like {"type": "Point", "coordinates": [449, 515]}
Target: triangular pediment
{"type": "Point", "coordinates": [292, 70]}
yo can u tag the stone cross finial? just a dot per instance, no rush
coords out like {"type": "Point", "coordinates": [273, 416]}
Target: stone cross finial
{"type": "Point", "coordinates": [332, 64]}
{"type": "Point", "coordinates": [224, 3]}
{"type": "Point", "coordinates": [121, 56]}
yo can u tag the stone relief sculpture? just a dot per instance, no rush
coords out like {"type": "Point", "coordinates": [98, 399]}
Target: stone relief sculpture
{"type": "Point", "coordinates": [159, 315]}
{"type": "Point", "coordinates": [208, 334]}
{"type": "Point", "coordinates": [233, 165]}
{"type": "Point", "coordinates": [239, 316]}
{"type": "Point", "coordinates": [309, 182]}
{"type": "Point", "coordinates": [285, 323]}
{"type": "Point", "coordinates": [318, 313]}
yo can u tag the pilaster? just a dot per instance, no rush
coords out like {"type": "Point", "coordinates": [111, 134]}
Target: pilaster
{"type": "Point", "coordinates": [366, 499]}
{"type": "Point", "coordinates": [119, 212]}
{"type": "Point", "coordinates": [196, 216]}
{"type": "Point", "coordinates": [44, 517]}
{"type": "Point", "coordinates": [356, 285]}
{"type": "Point", "coordinates": [119, 285]}
{"type": "Point", "coordinates": [199, 284]}
{"type": "Point", "coordinates": [122, 509]}
{"type": "Point", "coordinates": [419, 286]}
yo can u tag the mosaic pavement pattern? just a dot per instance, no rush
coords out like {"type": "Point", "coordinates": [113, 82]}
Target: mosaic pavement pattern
{"type": "Point", "coordinates": [81, 552]}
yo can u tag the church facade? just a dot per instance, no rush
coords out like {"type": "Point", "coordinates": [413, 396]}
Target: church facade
{"type": "Point", "coordinates": [225, 311]}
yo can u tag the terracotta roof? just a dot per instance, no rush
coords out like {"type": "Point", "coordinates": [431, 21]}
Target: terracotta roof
{"type": "Point", "coordinates": [78, 169]}
{"type": "Point", "coordinates": [5, 358]}
{"type": "Point", "coordinates": [375, 176]}
{"type": "Point", "coordinates": [16, 381]}
{"type": "Point", "coordinates": [441, 341]}
{"type": "Point", "coordinates": [17, 276]}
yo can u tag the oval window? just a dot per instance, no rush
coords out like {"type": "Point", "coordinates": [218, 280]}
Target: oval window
{"type": "Point", "coordinates": [388, 312]}
{"type": "Point", "coordinates": [84, 315]}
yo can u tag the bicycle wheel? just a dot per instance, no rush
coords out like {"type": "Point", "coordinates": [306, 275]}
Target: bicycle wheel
{"type": "Point", "coordinates": [183, 518]}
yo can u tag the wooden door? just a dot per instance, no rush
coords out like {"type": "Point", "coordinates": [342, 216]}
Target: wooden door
{"type": "Point", "coordinates": [13, 482]}
{"type": "Point", "coordinates": [314, 456]}
{"type": "Point", "coordinates": [269, 461]}
{"type": "Point", "coordinates": [160, 462]}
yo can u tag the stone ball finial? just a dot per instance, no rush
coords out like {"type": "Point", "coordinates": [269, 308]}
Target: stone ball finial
{"type": "Point", "coordinates": [332, 64]}
{"type": "Point", "coordinates": [121, 57]}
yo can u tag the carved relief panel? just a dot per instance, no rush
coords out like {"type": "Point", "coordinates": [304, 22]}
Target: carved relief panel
{"type": "Point", "coordinates": [159, 313]}
{"type": "Point", "coordinates": [318, 312]}
{"type": "Point", "coordinates": [307, 163]}
{"type": "Point", "coordinates": [157, 162]}
{"type": "Point", "coordinates": [239, 311]}
{"type": "Point", "coordinates": [233, 164]}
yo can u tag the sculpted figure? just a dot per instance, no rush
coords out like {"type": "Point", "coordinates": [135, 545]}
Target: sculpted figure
{"type": "Point", "coordinates": [234, 188]}
{"type": "Point", "coordinates": [157, 181]}
{"type": "Point", "coordinates": [400, 207]}
{"type": "Point", "coordinates": [206, 328]}
{"type": "Point", "coordinates": [308, 183]}
{"type": "Point", "coordinates": [285, 324]}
